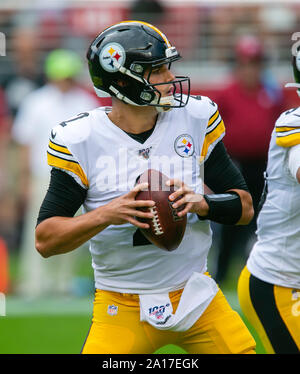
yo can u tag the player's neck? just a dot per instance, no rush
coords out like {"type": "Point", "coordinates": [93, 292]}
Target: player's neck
{"type": "Point", "coordinates": [133, 119]}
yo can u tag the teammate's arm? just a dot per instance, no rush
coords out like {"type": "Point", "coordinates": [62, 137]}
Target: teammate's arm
{"type": "Point", "coordinates": [58, 231]}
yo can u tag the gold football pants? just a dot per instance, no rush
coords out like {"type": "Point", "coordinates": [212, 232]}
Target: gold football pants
{"type": "Point", "coordinates": [116, 328]}
{"type": "Point", "coordinates": [273, 311]}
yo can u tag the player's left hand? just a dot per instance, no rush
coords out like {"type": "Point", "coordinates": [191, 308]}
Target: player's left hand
{"type": "Point", "coordinates": [194, 203]}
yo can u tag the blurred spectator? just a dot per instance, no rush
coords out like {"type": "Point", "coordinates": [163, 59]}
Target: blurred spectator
{"type": "Point", "coordinates": [5, 216]}
{"type": "Point", "coordinates": [249, 105]}
{"type": "Point", "coordinates": [60, 99]}
{"type": "Point", "coordinates": [26, 74]}
{"type": "Point", "coordinates": [4, 268]}
{"type": "Point", "coordinates": [23, 76]}
{"type": "Point", "coordinates": [147, 10]}
{"type": "Point", "coordinates": [5, 126]}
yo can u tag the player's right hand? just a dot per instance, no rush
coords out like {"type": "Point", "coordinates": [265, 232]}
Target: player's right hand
{"type": "Point", "coordinates": [125, 208]}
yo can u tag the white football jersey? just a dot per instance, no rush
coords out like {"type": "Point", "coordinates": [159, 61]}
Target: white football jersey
{"type": "Point", "coordinates": [275, 257]}
{"type": "Point", "coordinates": [107, 161]}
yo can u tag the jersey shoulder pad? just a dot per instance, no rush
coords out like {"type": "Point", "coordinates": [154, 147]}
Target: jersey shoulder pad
{"type": "Point", "coordinates": [77, 128]}
{"type": "Point", "coordinates": [287, 128]}
{"type": "Point", "coordinates": [201, 106]}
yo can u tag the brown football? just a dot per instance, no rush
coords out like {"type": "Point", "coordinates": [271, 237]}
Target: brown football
{"type": "Point", "coordinates": [166, 228]}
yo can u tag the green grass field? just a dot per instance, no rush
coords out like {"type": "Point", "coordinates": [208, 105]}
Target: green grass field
{"type": "Point", "coordinates": [60, 325]}
{"type": "Point", "coordinates": [56, 326]}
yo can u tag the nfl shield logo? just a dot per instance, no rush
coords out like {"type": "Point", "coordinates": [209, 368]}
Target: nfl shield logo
{"type": "Point", "coordinates": [112, 310]}
{"type": "Point", "coordinates": [145, 152]}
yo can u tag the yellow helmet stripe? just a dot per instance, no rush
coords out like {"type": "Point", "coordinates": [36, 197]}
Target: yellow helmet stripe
{"type": "Point", "coordinates": [153, 28]}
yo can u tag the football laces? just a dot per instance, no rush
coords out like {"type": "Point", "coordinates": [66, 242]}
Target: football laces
{"type": "Point", "coordinates": [155, 221]}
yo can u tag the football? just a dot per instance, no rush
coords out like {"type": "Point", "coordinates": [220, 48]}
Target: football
{"type": "Point", "coordinates": [166, 227]}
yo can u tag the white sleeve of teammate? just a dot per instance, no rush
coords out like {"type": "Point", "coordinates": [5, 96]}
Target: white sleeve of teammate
{"type": "Point", "coordinates": [294, 161]}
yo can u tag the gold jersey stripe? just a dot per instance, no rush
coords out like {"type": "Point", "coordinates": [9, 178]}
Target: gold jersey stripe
{"type": "Point", "coordinates": [213, 118]}
{"type": "Point", "coordinates": [153, 28]}
{"type": "Point", "coordinates": [284, 128]}
{"type": "Point", "coordinates": [288, 140]}
{"type": "Point", "coordinates": [59, 148]}
{"type": "Point", "coordinates": [72, 166]}
{"type": "Point", "coordinates": [212, 137]}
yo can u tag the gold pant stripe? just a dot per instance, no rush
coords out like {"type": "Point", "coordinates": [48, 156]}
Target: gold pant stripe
{"type": "Point", "coordinates": [288, 304]}
{"type": "Point", "coordinates": [249, 311]}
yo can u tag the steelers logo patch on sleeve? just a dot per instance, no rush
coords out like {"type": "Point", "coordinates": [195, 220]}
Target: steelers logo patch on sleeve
{"type": "Point", "coordinates": [111, 56]}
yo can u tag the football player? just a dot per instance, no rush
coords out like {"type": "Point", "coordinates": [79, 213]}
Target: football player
{"type": "Point", "coordinates": [269, 285]}
{"type": "Point", "coordinates": [145, 297]}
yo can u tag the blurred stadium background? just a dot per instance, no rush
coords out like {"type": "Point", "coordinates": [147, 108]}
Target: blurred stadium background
{"type": "Point", "coordinates": [205, 32]}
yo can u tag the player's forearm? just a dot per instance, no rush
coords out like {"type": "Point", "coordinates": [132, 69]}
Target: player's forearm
{"type": "Point", "coordinates": [247, 207]}
{"type": "Point", "coordinates": [234, 207]}
{"type": "Point", "coordinates": [57, 235]}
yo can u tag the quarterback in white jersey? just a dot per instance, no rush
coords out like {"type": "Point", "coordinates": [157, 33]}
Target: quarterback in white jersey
{"type": "Point", "coordinates": [110, 168]}
{"type": "Point", "coordinates": [269, 286]}
{"type": "Point", "coordinates": [144, 296]}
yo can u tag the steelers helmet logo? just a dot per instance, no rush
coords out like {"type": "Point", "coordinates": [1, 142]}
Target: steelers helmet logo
{"type": "Point", "coordinates": [184, 145]}
{"type": "Point", "coordinates": [111, 56]}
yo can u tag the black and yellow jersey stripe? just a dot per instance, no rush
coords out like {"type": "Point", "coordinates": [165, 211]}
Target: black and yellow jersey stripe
{"type": "Point", "coordinates": [60, 157]}
{"type": "Point", "coordinates": [215, 130]}
{"type": "Point", "coordinates": [287, 136]}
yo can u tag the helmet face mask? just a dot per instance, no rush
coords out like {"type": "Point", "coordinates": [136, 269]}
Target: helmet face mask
{"type": "Point", "coordinates": [129, 52]}
{"type": "Point", "coordinates": [175, 100]}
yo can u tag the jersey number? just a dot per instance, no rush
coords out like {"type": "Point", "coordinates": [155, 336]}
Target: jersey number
{"type": "Point", "coordinates": [290, 111]}
{"type": "Point", "coordinates": [139, 239]}
{"type": "Point", "coordinates": [79, 116]}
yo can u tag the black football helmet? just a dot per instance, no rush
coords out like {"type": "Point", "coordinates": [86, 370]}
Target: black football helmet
{"type": "Point", "coordinates": [122, 58]}
{"type": "Point", "coordinates": [296, 71]}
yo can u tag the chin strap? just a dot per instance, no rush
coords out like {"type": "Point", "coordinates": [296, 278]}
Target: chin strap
{"type": "Point", "coordinates": [166, 100]}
